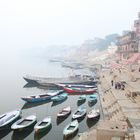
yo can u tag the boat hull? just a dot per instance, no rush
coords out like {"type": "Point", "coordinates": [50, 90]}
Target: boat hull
{"type": "Point", "coordinates": [41, 97]}
{"type": "Point", "coordinates": [42, 125]}
{"type": "Point", "coordinates": [82, 98]}
{"type": "Point", "coordinates": [59, 98]}
{"type": "Point", "coordinates": [93, 114]}
{"type": "Point", "coordinates": [36, 100]}
{"type": "Point", "coordinates": [31, 81]}
{"type": "Point", "coordinates": [71, 91]}
{"type": "Point", "coordinates": [67, 131]}
{"type": "Point", "coordinates": [55, 84]}
{"type": "Point", "coordinates": [52, 82]}
{"type": "Point", "coordinates": [79, 114]}
{"type": "Point", "coordinates": [65, 112]}
{"type": "Point", "coordinates": [29, 122]}
{"type": "Point", "coordinates": [9, 118]}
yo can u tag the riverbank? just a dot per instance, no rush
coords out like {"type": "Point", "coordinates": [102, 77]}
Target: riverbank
{"type": "Point", "coordinates": [121, 105]}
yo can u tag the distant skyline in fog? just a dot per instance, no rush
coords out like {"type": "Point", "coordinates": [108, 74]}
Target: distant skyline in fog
{"type": "Point", "coordinates": [34, 23]}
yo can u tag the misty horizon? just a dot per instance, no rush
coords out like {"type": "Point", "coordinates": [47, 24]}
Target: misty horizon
{"type": "Point", "coordinates": [26, 24]}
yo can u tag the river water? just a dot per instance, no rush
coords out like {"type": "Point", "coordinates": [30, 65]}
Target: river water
{"type": "Point", "coordinates": [13, 86]}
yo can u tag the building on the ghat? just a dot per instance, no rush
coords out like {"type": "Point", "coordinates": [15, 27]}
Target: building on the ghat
{"type": "Point", "coordinates": [129, 44]}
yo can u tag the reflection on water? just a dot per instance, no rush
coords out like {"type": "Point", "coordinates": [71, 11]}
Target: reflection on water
{"type": "Point", "coordinates": [58, 102]}
{"type": "Point", "coordinates": [92, 122]}
{"type": "Point", "coordinates": [59, 120]}
{"type": "Point", "coordinates": [30, 105]}
{"type": "Point", "coordinates": [29, 85]}
{"type": "Point", "coordinates": [38, 136]}
{"type": "Point", "coordinates": [5, 132]}
{"type": "Point", "coordinates": [21, 135]}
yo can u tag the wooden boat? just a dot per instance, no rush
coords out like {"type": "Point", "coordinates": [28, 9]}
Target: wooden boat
{"type": "Point", "coordinates": [41, 97]}
{"type": "Point", "coordinates": [82, 98]}
{"type": "Point", "coordinates": [79, 90]}
{"type": "Point", "coordinates": [79, 113]}
{"type": "Point", "coordinates": [54, 83]}
{"type": "Point", "coordinates": [59, 97]}
{"type": "Point", "coordinates": [9, 117]}
{"type": "Point", "coordinates": [64, 112]}
{"type": "Point", "coordinates": [31, 80]}
{"type": "Point", "coordinates": [92, 98]}
{"type": "Point", "coordinates": [24, 123]}
{"type": "Point", "coordinates": [41, 126]}
{"type": "Point", "coordinates": [71, 128]}
{"type": "Point", "coordinates": [43, 81]}
{"type": "Point", "coordinates": [93, 114]}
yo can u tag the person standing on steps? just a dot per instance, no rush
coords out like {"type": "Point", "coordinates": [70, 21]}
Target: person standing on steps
{"type": "Point", "coordinates": [112, 83]}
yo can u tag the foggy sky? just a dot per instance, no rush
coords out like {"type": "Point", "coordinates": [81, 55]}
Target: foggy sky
{"type": "Point", "coordinates": [30, 23]}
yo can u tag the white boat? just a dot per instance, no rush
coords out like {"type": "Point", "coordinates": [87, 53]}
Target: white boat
{"type": "Point", "coordinates": [65, 111]}
{"type": "Point", "coordinates": [9, 117]}
{"type": "Point", "coordinates": [24, 123]}
{"type": "Point", "coordinates": [93, 114]}
{"type": "Point", "coordinates": [80, 112]}
{"type": "Point", "coordinates": [71, 128]}
{"type": "Point", "coordinates": [41, 126]}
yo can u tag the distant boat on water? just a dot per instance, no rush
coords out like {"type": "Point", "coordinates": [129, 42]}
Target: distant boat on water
{"type": "Point", "coordinates": [72, 65]}
{"type": "Point", "coordinates": [31, 80]}
{"type": "Point", "coordinates": [56, 60]}
{"type": "Point", "coordinates": [76, 79]}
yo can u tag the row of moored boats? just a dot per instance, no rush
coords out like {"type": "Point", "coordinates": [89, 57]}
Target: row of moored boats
{"type": "Point", "coordinates": [13, 120]}
{"type": "Point", "coordinates": [59, 95]}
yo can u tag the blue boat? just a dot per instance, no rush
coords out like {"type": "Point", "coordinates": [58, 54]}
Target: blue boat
{"type": "Point", "coordinates": [92, 98]}
{"type": "Point", "coordinates": [59, 97]}
{"type": "Point", "coordinates": [41, 97]}
{"type": "Point", "coordinates": [82, 98]}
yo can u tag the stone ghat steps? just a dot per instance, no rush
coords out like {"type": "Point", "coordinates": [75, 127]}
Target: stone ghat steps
{"type": "Point", "coordinates": [110, 104]}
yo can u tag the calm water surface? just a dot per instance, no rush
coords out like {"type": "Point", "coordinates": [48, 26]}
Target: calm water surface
{"type": "Point", "coordinates": [12, 87]}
